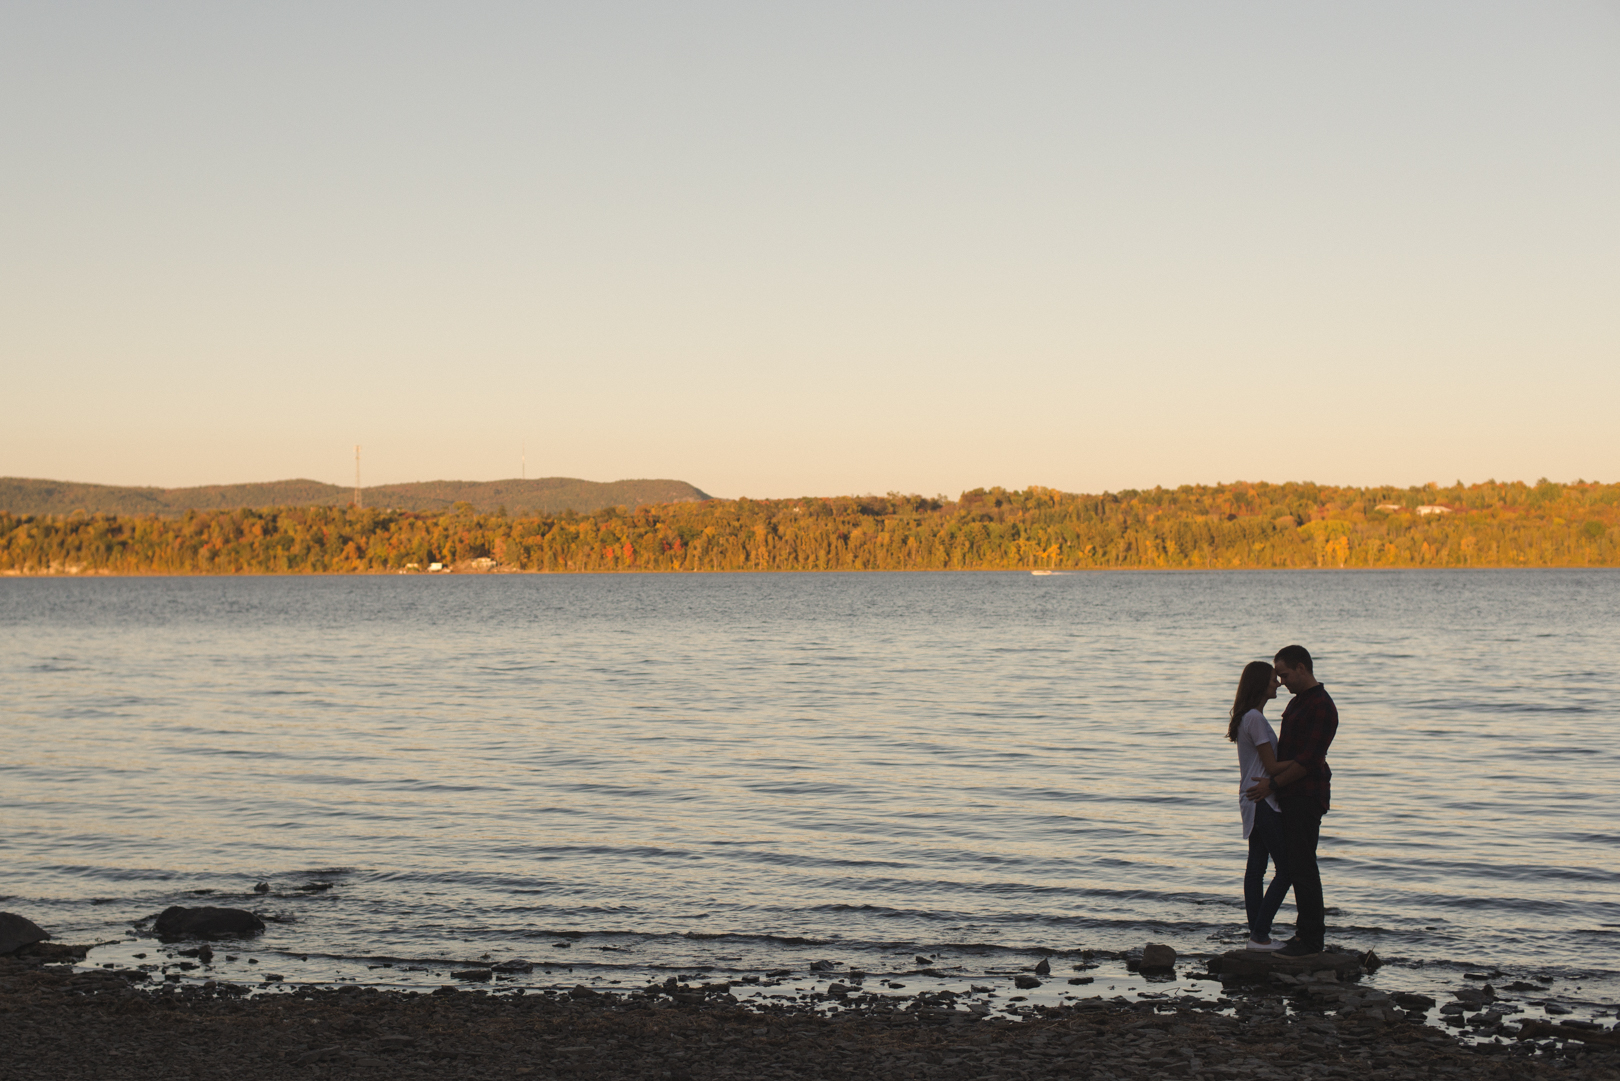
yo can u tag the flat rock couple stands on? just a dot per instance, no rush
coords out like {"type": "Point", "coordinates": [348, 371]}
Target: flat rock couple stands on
{"type": "Point", "coordinates": [1283, 795]}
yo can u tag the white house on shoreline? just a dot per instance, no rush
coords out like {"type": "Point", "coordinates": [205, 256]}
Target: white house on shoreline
{"type": "Point", "coordinates": [1427, 508]}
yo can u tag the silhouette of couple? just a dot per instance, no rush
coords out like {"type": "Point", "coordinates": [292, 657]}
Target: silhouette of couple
{"type": "Point", "coordinates": [1283, 795]}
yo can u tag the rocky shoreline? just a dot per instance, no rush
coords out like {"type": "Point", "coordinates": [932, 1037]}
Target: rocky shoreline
{"type": "Point", "coordinates": [59, 1023]}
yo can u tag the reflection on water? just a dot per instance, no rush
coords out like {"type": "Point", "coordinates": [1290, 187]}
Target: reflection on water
{"type": "Point", "coordinates": [716, 769]}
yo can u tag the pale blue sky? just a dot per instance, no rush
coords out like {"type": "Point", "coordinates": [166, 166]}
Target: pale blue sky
{"type": "Point", "coordinates": [822, 248]}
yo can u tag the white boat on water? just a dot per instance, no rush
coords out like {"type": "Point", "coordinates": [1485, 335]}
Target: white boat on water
{"type": "Point", "coordinates": [1043, 572]}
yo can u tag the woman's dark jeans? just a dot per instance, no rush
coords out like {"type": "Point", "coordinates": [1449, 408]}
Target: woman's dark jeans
{"type": "Point", "coordinates": [1266, 842]}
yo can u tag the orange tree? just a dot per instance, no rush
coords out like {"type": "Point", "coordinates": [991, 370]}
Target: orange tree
{"type": "Point", "coordinates": [1204, 526]}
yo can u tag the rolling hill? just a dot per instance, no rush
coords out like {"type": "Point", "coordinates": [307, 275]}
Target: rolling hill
{"type": "Point", "coordinates": [543, 495]}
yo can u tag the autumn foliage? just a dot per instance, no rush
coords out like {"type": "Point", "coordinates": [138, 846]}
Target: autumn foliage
{"type": "Point", "coordinates": [1223, 526]}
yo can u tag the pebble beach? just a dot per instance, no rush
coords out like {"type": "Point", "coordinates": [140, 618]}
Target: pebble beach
{"type": "Point", "coordinates": [59, 1022]}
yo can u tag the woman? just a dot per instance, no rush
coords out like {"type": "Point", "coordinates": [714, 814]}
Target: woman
{"type": "Point", "coordinates": [1262, 819]}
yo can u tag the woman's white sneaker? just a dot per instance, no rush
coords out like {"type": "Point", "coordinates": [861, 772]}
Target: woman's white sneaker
{"type": "Point", "coordinates": [1266, 946]}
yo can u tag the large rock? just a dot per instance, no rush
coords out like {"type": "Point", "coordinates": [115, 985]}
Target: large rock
{"type": "Point", "coordinates": [179, 922]}
{"type": "Point", "coordinates": [1158, 958]}
{"type": "Point", "coordinates": [53, 952]}
{"type": "Point", "coordinates": [17, 932]}
{"type": "Point", "coordinates": [1535, 1030]}
{"type": "Point", "coordinates": [1243, 965]}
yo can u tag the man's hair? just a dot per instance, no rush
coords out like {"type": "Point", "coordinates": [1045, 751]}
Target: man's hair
{"type": "Point", "coordinates": [1295, 657]}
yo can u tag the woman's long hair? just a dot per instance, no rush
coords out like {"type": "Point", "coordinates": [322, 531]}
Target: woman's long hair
{"type": "Point", "coordinates": [1253, 686]}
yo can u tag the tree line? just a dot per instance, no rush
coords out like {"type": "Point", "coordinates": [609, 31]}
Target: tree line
{"type": "Point", "coordinates": [1240, 525]}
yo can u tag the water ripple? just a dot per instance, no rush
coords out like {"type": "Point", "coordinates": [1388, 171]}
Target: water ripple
{"type": "Point", "coordinates": [878, 762]}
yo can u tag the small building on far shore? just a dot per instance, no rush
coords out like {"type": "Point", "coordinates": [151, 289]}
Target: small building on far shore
{"type": "Point", "coordinates": [1433, 508]}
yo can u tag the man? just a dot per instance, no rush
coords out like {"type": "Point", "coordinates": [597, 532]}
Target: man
{"type": "Point", "coordinates": [1308, 727]}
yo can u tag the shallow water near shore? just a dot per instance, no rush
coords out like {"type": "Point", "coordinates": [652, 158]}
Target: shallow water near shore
{"type": "Point", "coordinates": [618, 777]}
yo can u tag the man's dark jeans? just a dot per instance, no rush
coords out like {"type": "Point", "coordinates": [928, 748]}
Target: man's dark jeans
{"type": "Point", "coordinates": [1302, 829]}
{"type": "Point", "coordinates": [1266, 844]}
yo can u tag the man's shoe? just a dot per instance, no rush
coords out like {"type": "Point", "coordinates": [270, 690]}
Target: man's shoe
{"type": "Point", "coordinates": [1296, 948]}
{"type": "Point", "coordinates": [1264, 946]}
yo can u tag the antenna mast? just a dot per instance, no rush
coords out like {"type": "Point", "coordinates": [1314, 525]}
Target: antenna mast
{"type": "Point", "coordinates": [357, 503]}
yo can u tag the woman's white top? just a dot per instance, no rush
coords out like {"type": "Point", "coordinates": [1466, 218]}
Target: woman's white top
{"type": "Point", "coordinates": [1253, 730]}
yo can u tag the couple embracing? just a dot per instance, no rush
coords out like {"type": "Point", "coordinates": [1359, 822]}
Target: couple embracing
{"type": "Point", "coordinates": [1284, 794]}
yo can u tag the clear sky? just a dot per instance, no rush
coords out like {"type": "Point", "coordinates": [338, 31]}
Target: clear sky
{"type": "Point", "coordinates": [782, 249]}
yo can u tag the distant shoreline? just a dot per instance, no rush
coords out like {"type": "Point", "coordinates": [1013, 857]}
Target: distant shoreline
{"type": "Point", "coordinates": [640, 572]}
{"type": "Point", "coordinates": [1221, 527]}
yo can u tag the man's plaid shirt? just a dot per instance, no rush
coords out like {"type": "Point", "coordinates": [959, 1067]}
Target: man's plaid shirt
{"type": "Point", "coordinates": [1308, 727]}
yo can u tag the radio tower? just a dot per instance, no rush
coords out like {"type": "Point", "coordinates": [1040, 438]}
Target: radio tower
{"type": "Point", "coordinates": [357, 503]}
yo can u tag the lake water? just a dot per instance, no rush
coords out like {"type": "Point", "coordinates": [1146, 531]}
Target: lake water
{"type": "Point", "coordinates": [631, 775]}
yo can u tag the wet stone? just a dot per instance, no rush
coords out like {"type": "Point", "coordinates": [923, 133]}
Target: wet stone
{"type": "Point", "coordinates": [1157, 957]}
{"type": "Point", "coordinates": [517, 965]}
{"type": "Point", "coordinates": [1413, 1001]}
{"type": "Point", "coordinates": [178, 921]}
{"type": "Point", "coordinates": [19, 931]}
